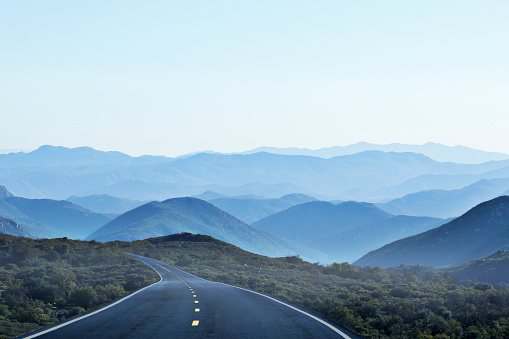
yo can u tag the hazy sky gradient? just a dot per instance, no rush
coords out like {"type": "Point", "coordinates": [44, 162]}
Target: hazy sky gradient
{"type": "Point", "coordinates": [172, 77]}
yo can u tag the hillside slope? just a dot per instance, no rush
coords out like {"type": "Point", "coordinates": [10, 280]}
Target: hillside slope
{"type": "Point", "coordinates": [478, 233]}
{"type": "Point", "coordinates": [318, 219]}
{"type": "Point", "coordinates": [445, 204]}
{"type": "Point", "coordinates": [493, 269]}
{"type": "Point", "coordinates": [4, 193]}
{"type": "Point", "coordinates": [46, 218]}
{"type": "Point", "coordinates": [34, 227]}
{"type": "Point", "coordinates": [8, 226]}
{"type": "Point", "coordinates": [200, 217]}
{"type": "Point", "coordinates": [104, 203]}
{"type": "Point", "coordinates": [250, 210]}
{"type": "Point", "coordinates": [350, 245]}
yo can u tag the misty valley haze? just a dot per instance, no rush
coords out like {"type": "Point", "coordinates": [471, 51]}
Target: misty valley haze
{"type": "Point", "coordinates": [302, 201]}
{"type": "Point", "coordinates": [58, 173]}
{"type": "Point", "coordinates": [401, 218]}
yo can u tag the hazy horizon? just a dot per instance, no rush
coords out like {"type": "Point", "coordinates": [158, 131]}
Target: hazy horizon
{"type": "Point", "coordinates": [173, 78]}
{"type": "Point", "coordinates": [7, 151]}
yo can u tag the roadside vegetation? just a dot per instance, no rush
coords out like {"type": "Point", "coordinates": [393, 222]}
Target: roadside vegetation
{"type": "Point", "coordinates": [44, 281]}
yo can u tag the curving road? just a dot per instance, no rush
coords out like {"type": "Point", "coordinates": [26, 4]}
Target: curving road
{"type": "Point", "coordinates": [182, 305]}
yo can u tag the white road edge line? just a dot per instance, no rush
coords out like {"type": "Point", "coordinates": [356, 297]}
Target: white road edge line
{"type": "Point", "coordinates": [296, 309]}
{"type": "Point", "coordinates": [345, 336]}
{"type": "Point", "coordinates": [130, 295]}
{"type": "Point", "coordinates": [99, 310]}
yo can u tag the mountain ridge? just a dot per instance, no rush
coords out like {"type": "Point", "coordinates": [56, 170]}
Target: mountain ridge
{"type": "Point", "coordinates": [58, 172]}
{"type": "Point", "coordinates": [47, 218]}
{"type": "Point", "coordinates": [4, 193]}
{"type": "Point", "coordinates": [8, 226]}
{"type": "Point", "coordinates": [250, 210]}
{"type": "Point", "coordinates": [481, 231]}
{"type": "Point", "coordinates": [105, 204]}
{"type": "Point", "coordinates": [436, 151]}
{"type": "Point", "coordinates": [351, 244]}
{"type": "Point", "coordinates": [197, 216]}
{"type": "Point", "coordinates": [445, 204]}
{"type": "Point", "coordinates": [315, 219]}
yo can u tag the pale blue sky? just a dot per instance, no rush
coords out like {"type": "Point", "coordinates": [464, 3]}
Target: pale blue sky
{"type": "Point", "coordinates": [172, 77]}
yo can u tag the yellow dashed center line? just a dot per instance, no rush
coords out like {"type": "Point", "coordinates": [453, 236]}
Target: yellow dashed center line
{"type": "Point", "coordinates": [175, 275]}
{"type": "Point", "coordinates": [195, 322]}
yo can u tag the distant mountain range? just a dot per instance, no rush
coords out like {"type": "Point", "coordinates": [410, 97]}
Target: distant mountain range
{"type": "Point", "coordinates": [438, 152]}
{"type": "Point", "coordinates": [428, 182]}
{"type": "Point", "coordinates": [444, 204]}
{"type": "Point", "coordinates": [106, 204]}
{"type": "Point", "coordinates": [250, 210]}
{"type": "Point", "coordinates": [14, 150]}
{"type": "Point", "coordinates": [317, 219]}
{"type": "Point", "coordinates": [200, 217]}
{"type": "Point", "coordinates": [425, 182]}
{"type": "Point", "coordinates": [480, 232]}
{"type": "Point", "coordinates": [209, 195]}
{"type": "Point", "coordinates": [62, 157]}
{"type": "Point", "coordinates": [59, 172]}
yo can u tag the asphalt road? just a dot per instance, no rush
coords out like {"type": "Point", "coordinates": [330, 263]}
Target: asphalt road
{"type": "Point", "coordinates": [182, 305]}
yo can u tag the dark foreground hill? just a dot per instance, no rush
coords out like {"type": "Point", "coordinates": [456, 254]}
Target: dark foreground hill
{"type": "Point", "coordinates": [197, 216]}
{"type": "Point", "coordinates": [43, 278]}
{"type": "Point", "coordinates": [316, 219]}
{"type": "Point", "coordinates": [493, 269]}
{"type": "Point", "coordinates": [478, 233]}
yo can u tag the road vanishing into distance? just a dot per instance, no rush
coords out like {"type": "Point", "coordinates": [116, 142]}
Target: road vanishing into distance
{"type": "Point", "coordinates": [182, 305]}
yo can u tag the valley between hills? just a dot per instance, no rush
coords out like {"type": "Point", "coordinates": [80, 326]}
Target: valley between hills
{"type": "Point", "coordinates": [398, 241]}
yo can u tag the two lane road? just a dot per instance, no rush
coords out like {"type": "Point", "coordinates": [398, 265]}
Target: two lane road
{"type": "Point", "coordinates": [182, 305]}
